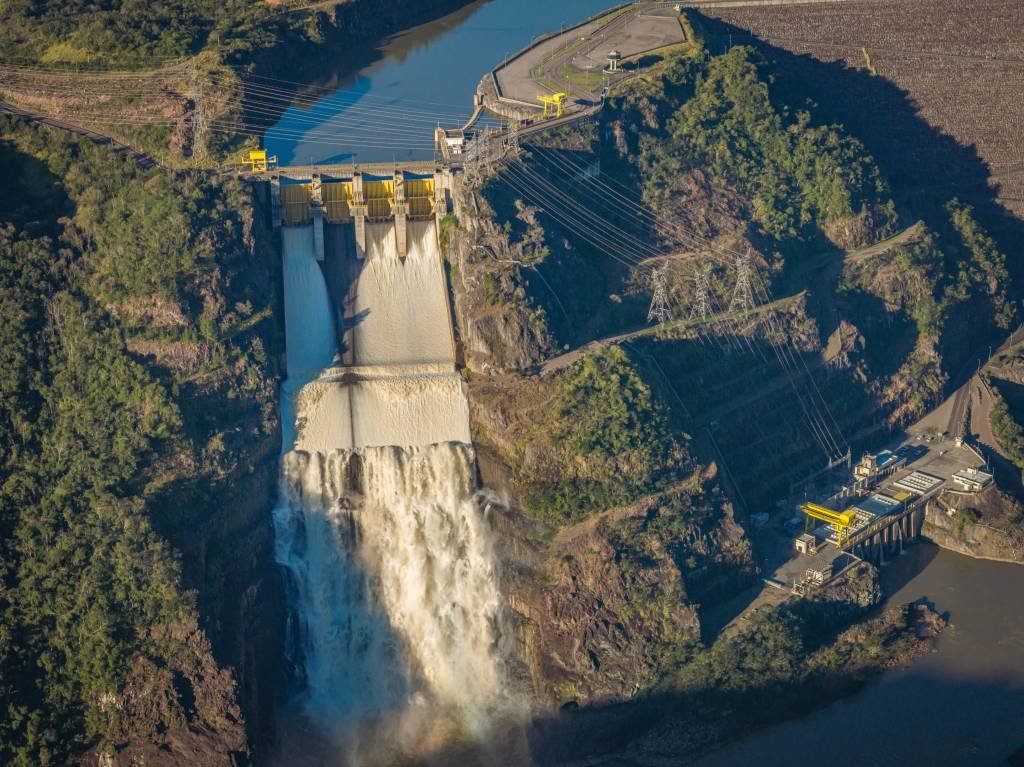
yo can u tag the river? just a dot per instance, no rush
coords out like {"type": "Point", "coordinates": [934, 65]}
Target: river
{"type": "Point", "coordinates": [961, 705]}
{"type": "Point", "coordinates": [388, 110]}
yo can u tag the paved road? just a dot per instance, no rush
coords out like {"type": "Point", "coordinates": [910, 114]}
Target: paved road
{"type": "Point", "coordinates": [564, 360]}
{"type": "Point", "coordinates": [911, 234]}
{"type": "Point", "coordinates": [957, 416]}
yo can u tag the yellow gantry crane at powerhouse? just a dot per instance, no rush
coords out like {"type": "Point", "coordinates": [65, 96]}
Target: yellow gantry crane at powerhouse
{"type": "Point", "coordinates": [840, 520]}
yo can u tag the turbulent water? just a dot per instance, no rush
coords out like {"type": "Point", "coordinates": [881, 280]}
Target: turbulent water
{"type": "Point", "coordinates": [380, 523]}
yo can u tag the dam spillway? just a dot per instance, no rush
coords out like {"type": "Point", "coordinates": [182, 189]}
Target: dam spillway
{"type": "Point", "coordinates": [398, 617]}
{"type": "Point", "coordinates": [401, 386]}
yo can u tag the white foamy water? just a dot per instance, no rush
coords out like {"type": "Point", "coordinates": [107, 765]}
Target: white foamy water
{"type": "Point", "coordinates": [404, 389]}
{"type": "Point", "coordinates": [309, 330]}
{"type": "Point", "coordinates": [390, 410]}
{"type": "Point", "coordinates": [399, 589]}
{"type": "Point", "coordinates": [401, 305]}
{"type": "Point", "coordinates": [380, 521]}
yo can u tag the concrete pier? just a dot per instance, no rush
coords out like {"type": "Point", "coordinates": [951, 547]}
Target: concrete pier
{"type": "Point", "coordinates": [275, 202]}
{"type": "Point", "coordinates": [359, 210]}
{"type": "Point", "coordinates": [886, 537]}
{"type": "Point", "coordinates": [400, 210]}
{"type": "Point", "coordinates": [316, 210]}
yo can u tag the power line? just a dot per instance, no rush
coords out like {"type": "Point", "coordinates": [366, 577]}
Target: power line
{"type": "Point", "coordinates": [785, 357]}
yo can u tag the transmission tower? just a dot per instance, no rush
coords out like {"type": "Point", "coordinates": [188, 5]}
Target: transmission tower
{"type": "Point", "coordinates": [743, 295]}
{"type": "Point", "coordinates": [513, 138]}
{"type": "Point", "coordinates": [700, 309]}
{"type": "Point", "coordinates": [659, 310]}
{"type": "Point", "coordinates": [195, 95]}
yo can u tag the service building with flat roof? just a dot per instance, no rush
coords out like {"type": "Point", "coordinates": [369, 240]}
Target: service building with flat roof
{"type": "Point", "coordinates": [972, 480]}
{"type": "Point", "coordinates": [918, 482]}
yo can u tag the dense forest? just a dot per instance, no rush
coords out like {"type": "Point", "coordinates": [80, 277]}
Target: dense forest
{"type": "Point", "coordinates": [134, 366]}
{"type": "Point", "coordinates": [135, 33]}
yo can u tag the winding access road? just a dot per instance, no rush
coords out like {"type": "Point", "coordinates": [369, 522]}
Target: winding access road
{"type": "Point", "coordinates": [564, 360]}
{"type": "Point", "coordinates": [143, 160]}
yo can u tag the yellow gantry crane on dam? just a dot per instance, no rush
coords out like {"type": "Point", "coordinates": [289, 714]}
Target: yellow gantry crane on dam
{"type": "Point", "coordinates": [258, 161]}
{"type": "Point", "coordinates": [840, 520]}
{"type": "Point", "coordinates": [553, 104]}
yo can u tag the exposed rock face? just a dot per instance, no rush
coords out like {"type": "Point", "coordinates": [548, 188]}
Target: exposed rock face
{"type": "Point", "coordinates": [194, 694]}
{"type": "Point", "coordinates": [613, 598]}
{"type": "Point", "coordinates": [242, 593]}
{"type": "Point", "coordinates": [224, 694]}
{"type": "Point", "coordinates": [985, 525]}
{"type": "Point", "coordinates": [598, 623]}
{"type": "Point", "coordinates": [501, 329]}
{"type": "Point", "coordinates": [229, 553]}
{"type": "Point", "coordinates": [845, 598]}
{"type": "Point", "coordinates": [606, 603]}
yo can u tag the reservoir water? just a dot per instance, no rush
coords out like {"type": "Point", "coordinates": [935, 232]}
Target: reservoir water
{"type": "Point", "coordinates": [424, 76]}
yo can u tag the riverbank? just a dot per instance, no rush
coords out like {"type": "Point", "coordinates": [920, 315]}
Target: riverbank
{"type": "Point", "coordinates": [966, 695]}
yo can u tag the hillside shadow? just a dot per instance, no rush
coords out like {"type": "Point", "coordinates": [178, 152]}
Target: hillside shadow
{"type": "Point", "coordinates": [764, 723]}
{"type": "Point", "coordinates": [924, 166]}
{"type": "Point", "coordinates": [890, 335]}
{"type": "Point", "coordinates": [32, 197]}
{"type": "Point", "coordinates": [681, 728]}
{"type": "Point", "coordinates": [585, 291]}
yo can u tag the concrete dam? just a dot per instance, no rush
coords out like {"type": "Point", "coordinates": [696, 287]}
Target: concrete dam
{"type": "Point", "coordinates": [398, 621]}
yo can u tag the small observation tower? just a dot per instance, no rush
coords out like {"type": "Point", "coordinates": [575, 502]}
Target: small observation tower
{"type": "Point", "coordinates": [614, 58]}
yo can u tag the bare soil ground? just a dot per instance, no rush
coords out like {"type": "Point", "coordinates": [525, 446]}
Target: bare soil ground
{"type": "Point", "coordinates": [961, 65]}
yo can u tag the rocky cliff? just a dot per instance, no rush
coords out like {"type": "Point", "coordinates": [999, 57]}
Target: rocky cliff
{"type": "Point", "coordinates": [606, 579]}
{"type": "Point", "coordinates": [501, 327]}
{"type": "Point", "coordinates": [612, 601]}
{"type": "Point", "coordinates": [139, 580]}
{"type": "Point", "coordinates": [985, 525]}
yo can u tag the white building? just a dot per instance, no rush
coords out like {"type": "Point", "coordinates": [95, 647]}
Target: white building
{"type": "Point", "coordinates": [972, 480]}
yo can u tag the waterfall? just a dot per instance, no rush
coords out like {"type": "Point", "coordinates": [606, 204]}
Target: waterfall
{"type": "Point", "coordinates": [398, 588]}
{"type": "Point", "coordinates": [380, 522]}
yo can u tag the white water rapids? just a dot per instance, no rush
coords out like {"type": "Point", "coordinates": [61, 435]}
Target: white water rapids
{"type": "Point", "coordinates": [380, 521]}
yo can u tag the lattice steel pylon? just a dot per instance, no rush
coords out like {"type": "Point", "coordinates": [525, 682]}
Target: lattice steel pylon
{"type": "Point", "coordinates": [700, 309]}
{"type": "Point", "coordinates": [195, 94]}
{"type": "Point", "coordinates": [743, 294]}
{"type": "Point", "coordinates": [513, 139]}
{"type": "Point", "coordinates": [660, 310]}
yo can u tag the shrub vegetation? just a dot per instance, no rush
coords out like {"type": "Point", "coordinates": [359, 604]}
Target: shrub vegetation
{"type": "Point", "coordinates": [611, 440]}
{"type": "Point", "coordinates": [92, 431]}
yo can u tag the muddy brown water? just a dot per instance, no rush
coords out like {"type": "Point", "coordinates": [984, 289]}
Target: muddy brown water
{"type": "Point", "coordinates": [961, 705]}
